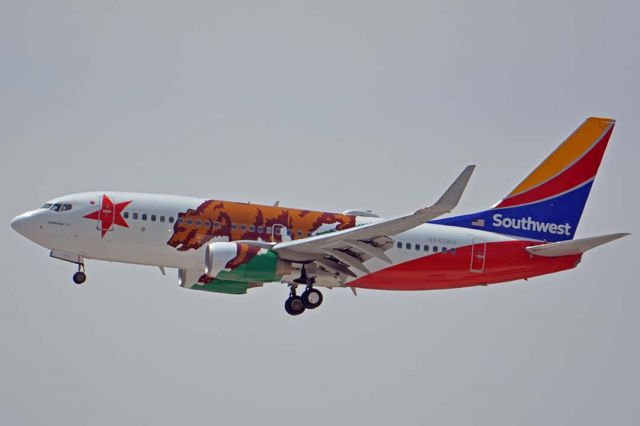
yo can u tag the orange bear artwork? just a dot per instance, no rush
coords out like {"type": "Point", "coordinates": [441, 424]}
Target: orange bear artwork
{"type": "Point", "coordinates": [239, 221]}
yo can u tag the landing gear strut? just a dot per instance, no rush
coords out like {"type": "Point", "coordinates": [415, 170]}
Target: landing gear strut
{"type": "Point", "coordinates": [310, 299]}
{"type": "Point", "coordinates": [80, 277]}
{"type": "Point", "coordinates": [304, 278]}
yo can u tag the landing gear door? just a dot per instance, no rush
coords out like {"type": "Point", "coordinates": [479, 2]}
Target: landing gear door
{"type": "Point", "coordinates": [106, 214]}
{"type": "Point", "coordinates": [478, 255]}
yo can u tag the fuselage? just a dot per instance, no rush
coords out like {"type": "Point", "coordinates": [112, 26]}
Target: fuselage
{"type": "Point", "coordinates": [173, 231]}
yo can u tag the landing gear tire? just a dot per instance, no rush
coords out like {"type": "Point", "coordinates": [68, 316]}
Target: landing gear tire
{"type": "Point", "coordinates": [79, 277]}
{"type": "Point", "coordinates": [294, 305]}
{"type": "Point", "coordinates": [311, 298]}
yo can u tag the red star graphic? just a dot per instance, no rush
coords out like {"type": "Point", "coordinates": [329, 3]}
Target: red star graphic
{"type": "Point", "coordinates": [109, 214]}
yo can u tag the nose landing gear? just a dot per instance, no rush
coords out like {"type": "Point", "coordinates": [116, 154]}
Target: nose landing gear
{"type": "Point", "coordinates": [80, 277]}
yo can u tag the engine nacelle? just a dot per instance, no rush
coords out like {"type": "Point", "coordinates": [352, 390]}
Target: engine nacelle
{"type": "Point", "coordinates": [243, 262]}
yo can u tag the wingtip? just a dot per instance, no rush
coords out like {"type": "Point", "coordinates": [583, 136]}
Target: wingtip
{"type": "Point", "coordinates": [452, 195]}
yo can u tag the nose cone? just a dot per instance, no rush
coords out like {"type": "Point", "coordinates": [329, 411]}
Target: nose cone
{"type": "Point", "coordinates": [17, 223]}
{"type": "Point", "coordinates": [22, 224]}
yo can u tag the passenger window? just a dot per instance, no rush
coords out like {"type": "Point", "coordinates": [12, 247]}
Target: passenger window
{"type": "Point", "coordinates": [153, 218]}
{"type": "Point", "coordinates": [144, 216]}
{"type": "Point", "coordinates": [417, 246]}
{"type": "Point", "coordinates": [135, 216]}
{"type": "Point", "coordinates": [268, 229]}
{"type": "Point", "coordinates": [189, 221]}
{"type": "Point", "coordinates": [444, 249]}
{"type": "Point", "coordinates": [300, 233]}
{"type": "Point", "coordinates": [198, 222]}
{"type": "Point", "coordinates": [426, 247]}
{"type": "Point", "coordinates": [260, 229]}
{"type": "Point", "coordinates": [125, 215]}
{"type": "Point", "coordinates": [399, 245]}
{"type": "Point", "coordinates": [243, 227]}
{"type": "Point", "coordinates": [407, 246]}
{"type": "Point", "coordinates": [162, 219]}
{"type": "Point", "coordinates": [216, 224]}
{"type": "Point", "coordinates": [452, 251]}
{"type": "Point", "coordinates": [180, 221]}
{"type": "Point", "coordinates": [252, 228]}
{"type": "Point", "coordinates": [234, 226]}
{"type": "Point", "coordinates": [170, 219]}
{"type": "Point", "coordinates": [208, 223]}
{"type": "Point", "coordinates": [435, 249]}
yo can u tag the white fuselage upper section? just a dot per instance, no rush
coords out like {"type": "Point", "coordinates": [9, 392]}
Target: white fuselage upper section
{"type": "Point", "coordinates": [93, 231]}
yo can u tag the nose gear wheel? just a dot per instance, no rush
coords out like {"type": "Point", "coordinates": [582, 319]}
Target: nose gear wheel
{"type": "Point", "coordinates": [80, 277]}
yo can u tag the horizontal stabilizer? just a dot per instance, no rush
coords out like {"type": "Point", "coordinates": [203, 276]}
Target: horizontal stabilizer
{"type": "Point", "coordinates": [566, 248]}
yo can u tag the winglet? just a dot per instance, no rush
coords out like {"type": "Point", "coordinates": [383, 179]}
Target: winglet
{"type": "Point", "coordinates": [451, 197]}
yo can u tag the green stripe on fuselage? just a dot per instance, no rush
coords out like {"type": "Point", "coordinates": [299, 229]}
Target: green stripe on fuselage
{"type": "Point", "coordinates": [221, 286]}
{"type": "Point", "coordinates": [262, 268]}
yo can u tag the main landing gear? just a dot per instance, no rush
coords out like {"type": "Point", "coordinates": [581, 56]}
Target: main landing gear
{"type": "Point", "coordinates": [80, 277]}
{"type": "Point", "coordinates": [294, 304]}
{"type": "Point", "coordinates": [310, 299]}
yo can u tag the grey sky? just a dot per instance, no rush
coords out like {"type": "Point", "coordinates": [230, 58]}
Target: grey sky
{"type": "Point", "coordinates": [327, 105]}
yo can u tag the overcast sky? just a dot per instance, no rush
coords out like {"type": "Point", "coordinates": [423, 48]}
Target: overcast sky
{"type": "Point", "coordinates": [325, 105]}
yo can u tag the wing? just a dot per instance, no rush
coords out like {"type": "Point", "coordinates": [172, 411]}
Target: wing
{"type": "Point", "coordinates": [338, 252]}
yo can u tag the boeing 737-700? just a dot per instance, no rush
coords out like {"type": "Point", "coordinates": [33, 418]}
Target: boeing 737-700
{"type": "Point", "coordinates": [230, 247]}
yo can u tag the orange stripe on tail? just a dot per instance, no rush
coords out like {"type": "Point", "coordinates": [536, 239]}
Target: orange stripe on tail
{"type": "Point", "coordinates": [573, 148]}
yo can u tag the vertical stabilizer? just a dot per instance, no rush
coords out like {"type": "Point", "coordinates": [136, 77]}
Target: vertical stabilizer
{"type": "Point", "coordinates": [548, 203]}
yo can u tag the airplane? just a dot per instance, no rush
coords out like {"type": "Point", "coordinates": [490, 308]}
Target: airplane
{"type": "Point", "coordinates": [231, 247]}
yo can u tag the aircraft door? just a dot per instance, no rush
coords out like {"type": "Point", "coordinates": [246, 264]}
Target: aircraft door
{"type": "Point", "coordinates": [279, 232]}
{"type": "Point", "coordinates": [106, 214]}
{"type": "Point", "coordinates": [478, 255]}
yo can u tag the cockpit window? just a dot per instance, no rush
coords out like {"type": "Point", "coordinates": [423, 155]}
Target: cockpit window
{"type": "Point", "coordinates": [59, 207]}
{"type": "Point", "coordinates": [46, 206]}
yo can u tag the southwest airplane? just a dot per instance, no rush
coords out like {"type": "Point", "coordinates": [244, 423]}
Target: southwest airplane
{"type": "Point", "coordinates": [230, 247]}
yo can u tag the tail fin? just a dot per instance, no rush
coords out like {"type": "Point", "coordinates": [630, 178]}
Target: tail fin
{"type": "Point", "coordinates": [548, 203]}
